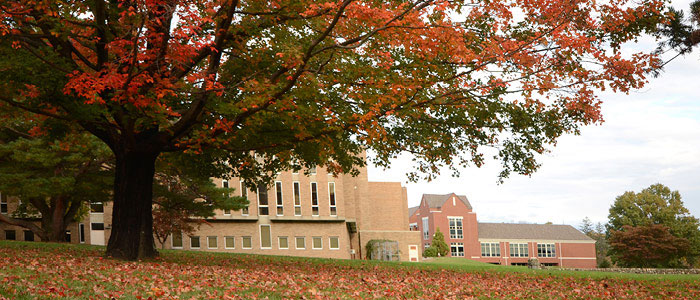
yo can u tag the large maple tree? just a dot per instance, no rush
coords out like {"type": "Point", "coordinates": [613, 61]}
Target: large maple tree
{"type": "Point", "coordinates": [267, 83]}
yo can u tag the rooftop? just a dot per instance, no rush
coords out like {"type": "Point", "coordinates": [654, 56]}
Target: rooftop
{"type": "Point", "coordinates": [530, 231]}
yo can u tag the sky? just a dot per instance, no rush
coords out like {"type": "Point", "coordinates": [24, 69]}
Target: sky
{"type": "Point", "coordinates": [649, 136]}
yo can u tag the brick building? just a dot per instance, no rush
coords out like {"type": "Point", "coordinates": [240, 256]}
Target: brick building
{"type": "Point", "coordinates": [499, 243]}
{"type": "Point", "coordinates": [318, 215]}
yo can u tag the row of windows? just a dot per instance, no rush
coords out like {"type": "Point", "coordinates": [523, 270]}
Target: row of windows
{"type": "Point", "coordinates": [11, 235]}
{"type": "Point", "coordinates": [246, 242]}
{"type": "Point", "coordinates": [264, 205]}
{"type": "Point", "coordinates": [517, 250]}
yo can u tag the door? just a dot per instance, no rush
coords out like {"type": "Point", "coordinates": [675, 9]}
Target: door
{"type": "Point", "coordinates": [413, 252]}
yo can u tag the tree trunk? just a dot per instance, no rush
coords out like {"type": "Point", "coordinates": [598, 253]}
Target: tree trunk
{"type": "Point", "coordinates": [57, 228]}
{"type": "Point", "coordinates": [132, 221]}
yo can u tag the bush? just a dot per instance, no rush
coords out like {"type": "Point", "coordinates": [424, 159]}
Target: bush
{"type": "Point", "coordinates": [430, 252]}
{"type": "Point", "coordinates": [604, 264]}
{"type": "Point", "coordinates": [439, 244]}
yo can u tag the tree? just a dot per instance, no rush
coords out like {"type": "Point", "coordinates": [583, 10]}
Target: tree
{"type": "Point", "coordinates": [587, 227]}
{"type": "Point", "coordinates": [647, 246]}
{"type": "Point", "coordinates": [682, 34]}
{"type": "Point", "coordinates": [601, 243]}
{"type": "Point", "coordinates": [438, 243]}
{"type": "Point", "coordinates": [268, 83]}
{"type": "Point", "coordinates": [55, 175]}
{"type": "Point", "coordinates": [657, 204]}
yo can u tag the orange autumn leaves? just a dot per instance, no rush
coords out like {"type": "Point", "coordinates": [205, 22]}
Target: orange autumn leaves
{"type": "Point", "coordinates": [77, 272]}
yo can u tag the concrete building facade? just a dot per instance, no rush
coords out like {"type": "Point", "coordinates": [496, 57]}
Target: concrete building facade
{"type": "Point", "coordinates": [499, 243]}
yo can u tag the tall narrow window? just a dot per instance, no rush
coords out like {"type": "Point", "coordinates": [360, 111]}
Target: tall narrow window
{"type": "Point", "coordinates": [312, 170]}
{"type": "Point", "coordinates": [244, 194]}
{"type": "Point", "coordinates": [194, 242]}
{"type": "Point", "coordinates": [224, 184]}
{"type": "Point", "coordinates": [263, 209]}
{"type": "Point", "coordinates": [426, 229]}
{"type": "Point", "coordinates": [3, 204]}
{"type": "Point", "coordinates": [81, 232]}
{"type": "Point", "coordinates": [265, 237]}
{"type": "Point", "coordinates": [297, 199]}
{"type": "Point", "coordinates": [331, 198]}
{"type": "Point", "coordinates": [314, 199]}
{"type": "Point", "coordinates": [278, 194]}
{"type": "Point", "coordinates": [455, 227]}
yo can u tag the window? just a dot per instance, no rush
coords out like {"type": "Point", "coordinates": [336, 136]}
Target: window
{"type": "Point", "coordinates": [213, 242]}
{"type": "Point", "coordinates": [334, 243]}
{"type": "Point", "coordinates": [297, 199]}
{"type": "Point", "coordinates": [331, 198]}
{"type": "Point", "coordinates": [312, 170]}
{"type": "Point", "coordinates": [282, 242]}
{"type": "Point", "coordinates": [265, 237]}
{"type": "Point", "coordinates": [81, 232]}
{"type": "Point", "coordinates": [229, 242]}
{"type": "Point", "coordinates": [278, 190]}
{"type": "Point", "coordinates": [317, 243]}
{"type": "Point", "coordinates": [28, 235]}
{"type": "Point", "coordinates": [97, 207]}
{"type": "Point", "coordinates": [426, 229]}
{"type": "Point", "coordinates": [314, 199]}
{"type": "Point", "coordinates": [426, 246]}
{"type": "Point", "coordinates": [300, 242]}
{"type": "Point", "coordinates": [68, 236]}
{"type": "Point", "coordinates": [3, 204]}
{"type": "Point", "coordinates": [546, 250]}
{"type": "Point", "coordinates": [247, 242]}
{"type": "Point", "coordinates": [263, 209]}
{"type": "Point", "coordinates": [177, 240]}
{"type": "Point", "coordinates": [10, 235]}
{"type": "Point", "coordinates": [491, 249]}
{"type": "Point", "coordinates": [518, 250]}
{"type": "Point", "coordinates": [224, 184]}
{"type": "Point", "coordinates": [194, 242]}
{"type": "Point", "coordinates": [244, 194]}
{"type": "Point", "coordinates": [457, 249]}
{"type": "Point", "coordinates": [455, 227]}
{"type": "Point", "coordinates": [97, 226]}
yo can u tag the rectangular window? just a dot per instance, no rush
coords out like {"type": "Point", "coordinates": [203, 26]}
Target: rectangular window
{"type": "Point", "coordinates": [247, 242]}
{"type": "Point", "coordinates": [457, 249]}
{"type": "Point", "coordinates": [455, 227]}
{"type": "Point", "coordinates": [263, 209]}
{"type": "Point", "coordinates": [224, 184]}
{"type": "Point", "coordinates": [297, 199]}
{"type": "Point", "coordinates": [229, 242]}
{"type": "Point", "coordinates": [546, 250]}
{"type": "Point", "coordinates": [282, 242]}
{"type": "Point", "coordinates": [317, 243]}
{"type": "Point", "coordinates": [3, 204]}
{"type": "Point", "coordinates": [426, 246]}
{"type": "Point", "coordinates": [278, 193]}
{"type": "Point", "coordinates": [213, 242]}
{"type": "Point", "coordinates": [244, 194]}
{"type": "Point", "coordinates": [68, 236]}
{"type": "Point", "coordinates": [491, 249]}
{"type": "Point", "coordinates": [194, 242]}
{"type": "Point", "coordinates": [97, 207]}
{"type": "Point", "coordinates": [265, 237]}
{"type": "Point", "coordinates": [28, 236]}
{"type": "Point", "coordinates": [97, 226]}
{"type": "Point", "coordinates": [334, 243]}
{"type": "Point", "coordinates": [426, 229]}
{"type": "Point", "coordinates": [177, 240]}
{"type": "Point", "coordinates": [331, 198]}
{"type": "Point", "coordinates": [300, 242]}
{"type": "Point", "coordinates": [10, 235]}
{"type": "Point", "coordinates": [518, 250]}
{"type": "Point", "coordinates": [314, 199]}
{"type": "Point", "coordinates": [81, 232]}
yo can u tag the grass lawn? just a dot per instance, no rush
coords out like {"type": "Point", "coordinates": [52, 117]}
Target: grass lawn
{"type": "Point", "coordinates": [49, 271]}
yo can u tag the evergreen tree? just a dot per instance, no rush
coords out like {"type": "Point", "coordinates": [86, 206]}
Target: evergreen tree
{"type": "Point", "coordinates": [438, 243]}
{"type": "Point", "coordinates": [587, 227]}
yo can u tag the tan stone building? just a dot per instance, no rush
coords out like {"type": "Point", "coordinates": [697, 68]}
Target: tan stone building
{"type": "Point", "coordinates": [316, 215]}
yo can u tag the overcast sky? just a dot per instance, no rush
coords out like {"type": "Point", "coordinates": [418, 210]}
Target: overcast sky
{"type": "Point", "coordinates": [650, 136]}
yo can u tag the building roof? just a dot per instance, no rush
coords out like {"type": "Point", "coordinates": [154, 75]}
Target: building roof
{"type": "Point", "coordinates": [412, 210]}
{"type": "Point", "coordinates": [436, 201]}
{"type": "Point", "coordinates": [530, 232]}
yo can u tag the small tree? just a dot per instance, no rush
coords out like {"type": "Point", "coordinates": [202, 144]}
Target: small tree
{"type": "Point", "coordinates": [647, 246]}
{"type": "Point", "coordinates": [438, 243]}
{"type": "Point", "coordinates": [586, 227]}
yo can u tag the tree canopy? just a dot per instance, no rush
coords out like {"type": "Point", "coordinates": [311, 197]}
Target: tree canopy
{"type": "Point", "coordinates": [266, 83]}
{"type": "Point", "coordinates": [648, 246]}
{"type": "Point", "coordinates": [656, 204]}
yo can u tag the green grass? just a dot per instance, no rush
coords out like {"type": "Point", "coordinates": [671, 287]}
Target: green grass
{"type": "Point", "coordinates": [31, 270]}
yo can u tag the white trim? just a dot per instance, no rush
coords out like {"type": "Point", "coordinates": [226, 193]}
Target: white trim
{"type": "Point", "coordinates": [313, 247]}
{"type": "Point", "coordinates": [244, 190]}
{"type": "Point", "coordinates": [234, 242]}
{"type": "Point", "coordinates": [296, 245]}
{"type": "Point", "coordinates": [172, 246]}
{"type": "Point", "coordinates": [311, 195]}
{"type": "Point", "coordinates": [330, 205]}
{"type": "Point", "coordinates": [217, 242]}
{"type": "Point", "coordinates": [81, 234]}
{"type": "Point", "coordinates": [296, 188]}
{"type": "Point", "coordinates": [261, 240]}
{"type": "Point", "coordinates": [456, 217]}
{"type": "Point", "coordinates": [330, 244]}
{"type": "Point", "coordinates": [476, 256]}
{"type": "Point", "coordinates": [472, 213]}
{"type": "Point", "coordinates": [243, 244]}
{"type": "Point", "coordinates": [267, 194]}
